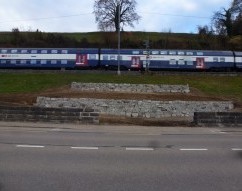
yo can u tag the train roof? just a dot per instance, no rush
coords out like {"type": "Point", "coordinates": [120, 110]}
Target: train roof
{"type": "Point", "coordinates": [169, 52]}
{"type": "Point", "coordinates": [238, 54]}
{"type": "Point", "coordinates": [47, 50]}
{"type": "Point", "coordinates": [28, 48]}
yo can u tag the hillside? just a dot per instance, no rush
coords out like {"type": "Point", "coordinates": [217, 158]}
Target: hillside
{"type": "Point", "coordinates": [128, 40]}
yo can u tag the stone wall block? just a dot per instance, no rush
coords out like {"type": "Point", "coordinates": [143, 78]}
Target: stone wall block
{"type": "Point", "coordinates": [131, 107]}
{"type": "Point", "coordinates": [141, 88]}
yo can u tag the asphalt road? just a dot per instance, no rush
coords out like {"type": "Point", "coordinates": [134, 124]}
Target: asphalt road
{"type": "Point", "coordinates": [101, 158]}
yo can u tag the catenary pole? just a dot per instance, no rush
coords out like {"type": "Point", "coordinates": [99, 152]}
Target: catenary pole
{"type": "Point", "coordinates": [119, 10]}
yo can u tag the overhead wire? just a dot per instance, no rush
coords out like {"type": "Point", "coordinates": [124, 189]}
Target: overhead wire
{"type": "Point", "coordinates": [175, 15]}
{"type": "Point", "coordinates": [45, 18]}
{"type": "Point", "coordinates": [77, 15]}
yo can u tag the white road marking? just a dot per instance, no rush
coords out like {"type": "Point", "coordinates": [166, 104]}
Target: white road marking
{"type": "Point", "coordinates": [30, 146]}
{"type": "Point", "coordinates": [55, 129]}
{"type": "Point", "coordinates": [202, 149]}
{"type": "Point", "coordinates": [85, 148]}
{"type": "Point", "coordinates": [139, 149]}
{"type": "Point", "coordinates": [236, 149]}
{"type": "Point", "coordinates": [222, 132]}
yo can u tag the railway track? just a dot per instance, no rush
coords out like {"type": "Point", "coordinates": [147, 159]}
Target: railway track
{"type": "Point", "coordinates": [163, 73]}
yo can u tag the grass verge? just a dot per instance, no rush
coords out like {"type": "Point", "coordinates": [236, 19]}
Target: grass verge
{"type": "Point", "coordinates": [225, 86]}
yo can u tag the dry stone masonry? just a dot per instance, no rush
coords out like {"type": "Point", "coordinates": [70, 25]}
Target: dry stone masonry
{"type": "Point", "coordinates": [81, 115]}
{"type": "Point", "coordinates": [136, 108]}
{"type": "Point", "coordinates": [131, 88]}
{"type": "Point", "coordinates": [218, 119]}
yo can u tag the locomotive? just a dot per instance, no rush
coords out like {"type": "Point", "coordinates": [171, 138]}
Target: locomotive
{"type": "Point", "coordinates": [129, 59]}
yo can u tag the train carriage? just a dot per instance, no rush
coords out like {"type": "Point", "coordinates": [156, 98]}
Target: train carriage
{"type": "Point", "coordinates": [168, 59]}
{"type": "Point", "coordinates": [190, 60]}
{"type": "Point", "coordinates": [129, 58]}
{"type": "Point", "coordinates": [48, 58]}
{"type": "Point", "coordinates": [238, 60]}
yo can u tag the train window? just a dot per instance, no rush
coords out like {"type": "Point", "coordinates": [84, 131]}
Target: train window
{"type": "Point", "coordinates": [155, 52]}
{"type": "Point", "coordinates": [92, 57]}
{"type": "Point", "coordinates": [163, 52]}
{"type": "Point", "coordinates": [4, 51]}
{"type": "Point", "coordinates": [172, 52]}
{"type": "Point", "coordinates": [215, 59]}
{"type": "Point", "coordinates": [136, 52]}
{"type": "Point", "coordinates": [189, 62]}
{"type": "Point", "coordinates": [181, 53]}
{"type": "Point", "coordinates": [189, 53]}
{"type": "Point", "coordinates": [199, 53]}
{"type": "Point", "coordinates": [112, 57]}
{"type": "Point", "coordinates": [24, 51]}
{"type": "Point", "coordinates": [14, 51]}
{"type": "Point", "coordinates": [54, 51]}
{"type": "Point", "coordinates": [33, 51]}
{"type": "Point", "coordinates": [3, 61]}
{"type": "Point", "coordinates": [105, 57]}
{"type": "Point", "coordinates": [33, 62]}
{"type": "Point", "coordinates": [63, 61]}
{"type": "Point", "coordinates": [53, 61]}
{"type": "Point", "coordinates": [145, 52]}
{"type": "Point", "coordinates": [23, 61]}
{"type": "Point", "coordinates": [43, 62]}
{"type": "Point", "coordinates": [13, 61]}
{"type": "Point", "coordinates": [222, 59]}
{"type": "Point", "coordinates": [181, 62]}
{"type": "Point", "coordinates": [43, 51]}
{"type": "Point", "coordinates": [173, 62]}
{"type": "Point", "coordinates": [64, 52]}
{"type": "Point", "coordinates": [120, 57]}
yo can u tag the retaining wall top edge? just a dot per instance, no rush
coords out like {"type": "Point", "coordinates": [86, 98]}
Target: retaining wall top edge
{"type": "Point", "coordinates": [133, 100]}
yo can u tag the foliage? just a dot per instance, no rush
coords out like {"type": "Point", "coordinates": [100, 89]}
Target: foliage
{"type": "Point", "coordinates": [237, 6]}
{"type": "Point", "coordinates": [223, 22]}
{"type": "Point", "coordinates": [236, 43]}
{"type": "Point", "coordinates": [204, 40]}
{"type": "Point", "coordinates": [229, 21]}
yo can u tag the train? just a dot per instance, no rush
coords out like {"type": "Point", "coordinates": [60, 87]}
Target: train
{"type": "Point", "coordinates": [125, 59]}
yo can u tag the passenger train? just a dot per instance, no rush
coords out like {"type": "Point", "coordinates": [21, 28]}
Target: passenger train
{"type": "Point", "coordinates": [131, 59]}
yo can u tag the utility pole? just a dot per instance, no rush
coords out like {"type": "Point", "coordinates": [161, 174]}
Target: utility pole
{"type": "Point", "coordinates": [147, 47]}
{"type": "Point", "coordinates": [119, 10]}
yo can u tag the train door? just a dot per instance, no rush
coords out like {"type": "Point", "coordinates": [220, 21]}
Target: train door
{"type": "Point", "coordinates": [135, 62]}
{"type": "Point", "coordinates": [81, 60]}
{"type": "Point", "coordinates": [200, 63]}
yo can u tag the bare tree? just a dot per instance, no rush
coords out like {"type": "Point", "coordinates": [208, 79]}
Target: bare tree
{"type": "Point", "coordinates": [237, 12]}
{"type": "Point", "coordinates": [223, 22]}
{"type": "Point", "coordinates": [107, 13]}
{"type": "Point", "coordinates": [237, 6]}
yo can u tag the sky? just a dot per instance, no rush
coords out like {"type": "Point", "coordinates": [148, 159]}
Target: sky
{"type": "Point", "coordinates": [180, 16]}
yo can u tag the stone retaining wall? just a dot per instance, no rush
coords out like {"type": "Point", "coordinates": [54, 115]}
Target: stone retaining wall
{"type": "Point", "coordinates": [132, 88]}
{"type": "Point", "coordinates": [135, 108]}
{"type": "Point", "coordinates": [218, 119]}
{"type": "Point", "coordinates": [82, 115]}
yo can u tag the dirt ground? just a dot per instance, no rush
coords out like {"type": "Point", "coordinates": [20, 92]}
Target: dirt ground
{"type": "Point", "coordinates": [23, 99]}
{"type": "Point", "coordinates": [66, 92]}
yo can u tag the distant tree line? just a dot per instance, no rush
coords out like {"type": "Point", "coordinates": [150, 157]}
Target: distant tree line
{"type": "Point", "coordinates": [205, 39]}
{"type": "Point", "coordinates": [36, 39]}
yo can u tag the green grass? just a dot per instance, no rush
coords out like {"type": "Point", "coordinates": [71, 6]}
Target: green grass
{"type": "Point", "coordinates": [99, 37]}
{"type": "Point", "coordinates": [211, 85]}
{"type": "Point", "coordinates": [136, 36]}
